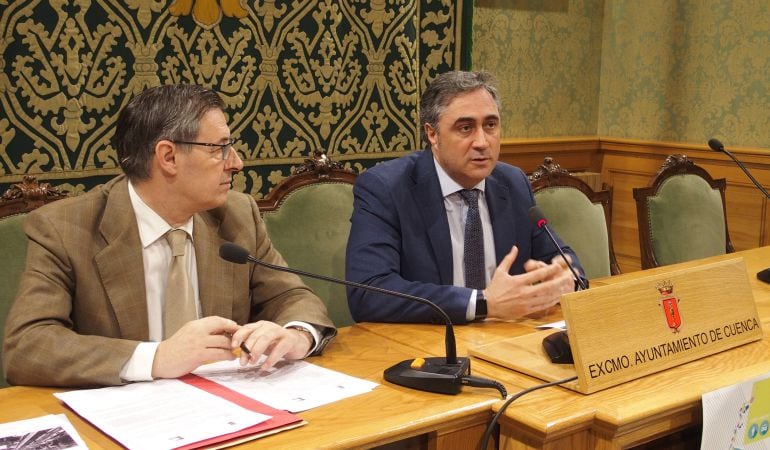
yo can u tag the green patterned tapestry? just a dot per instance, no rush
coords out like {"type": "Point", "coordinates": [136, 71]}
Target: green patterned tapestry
{"type": "Point", "coordinates": [297, 76]}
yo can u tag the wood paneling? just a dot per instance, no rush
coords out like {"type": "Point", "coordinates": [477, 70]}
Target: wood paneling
{"type": "Point", "coordinates": [578, 154]}
{"type": "Point", "coordinates": [625, 164]}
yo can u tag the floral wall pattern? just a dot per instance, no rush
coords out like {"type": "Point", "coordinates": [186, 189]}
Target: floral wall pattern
{"type": "Point", "coordinates": [296, 75]}
{"type": "Point", "coordinates": [546, 57]}
{"type": "Point", "coordinates": [687, 70]}
{"type": "Point", "coordinates": [661, 70]}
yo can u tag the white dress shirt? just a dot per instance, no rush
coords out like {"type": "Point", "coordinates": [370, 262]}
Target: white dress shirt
{"type": "Point", "coordinates": [156, 257]}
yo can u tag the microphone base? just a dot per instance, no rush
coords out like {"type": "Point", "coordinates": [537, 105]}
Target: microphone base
{"type": "Point", "coordinates": [434, 375]}
{"type": "Point", "coordinates": [764, 275]}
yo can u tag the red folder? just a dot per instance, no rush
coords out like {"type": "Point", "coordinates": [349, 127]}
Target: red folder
{"type": "Point", "coordinates": [281, 420]}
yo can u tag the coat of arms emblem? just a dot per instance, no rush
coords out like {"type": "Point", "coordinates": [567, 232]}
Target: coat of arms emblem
{"type": "Point", "coordinates": [670, 305]}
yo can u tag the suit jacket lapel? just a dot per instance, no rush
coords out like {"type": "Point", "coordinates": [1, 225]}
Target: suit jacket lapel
{"type": "Point", "coordinates": [503, 229]}
{"type": "Point", "coordinates": [120, 263]}
{"type": "Point", "coordinates": [427, 192]}
{"type": "Point", "coordinates": [215, 296]}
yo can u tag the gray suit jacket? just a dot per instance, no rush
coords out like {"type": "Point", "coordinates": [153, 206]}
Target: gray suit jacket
{"type": "Point", "coordinates": [81, 309]}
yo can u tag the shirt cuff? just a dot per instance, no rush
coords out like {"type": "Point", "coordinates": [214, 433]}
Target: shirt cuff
{"type": "Point", "coordinates": [139, 366]}
{"type": "Point", "coordinates": [470, 313]}
{"type": "Point", "coordinates": [311, 329]}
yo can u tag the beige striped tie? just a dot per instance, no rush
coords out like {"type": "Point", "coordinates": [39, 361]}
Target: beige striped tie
{"type": "Point", "coordinates": [180, 299]}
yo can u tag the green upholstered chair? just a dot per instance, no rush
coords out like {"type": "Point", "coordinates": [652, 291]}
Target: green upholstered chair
{"type": "Point", "coordinates": [15, 203]}
{"type": "Point", "coordinates": [681, 215]}
{"type": "Point", "coordinates": [579, 215]}
{"type": "Point", "coordinates": [308, 219]}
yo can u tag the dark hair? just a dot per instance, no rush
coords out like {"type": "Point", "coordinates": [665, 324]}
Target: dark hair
{"type": "Point", "coordinates": [165, 112]}
{"type": "Point", "coordinates": [444, 88]}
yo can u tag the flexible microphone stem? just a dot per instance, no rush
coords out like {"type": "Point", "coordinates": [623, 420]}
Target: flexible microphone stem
{"type": "Point", "coordinates": [717, 146]}
{"type": "Point", "coordinates": [557, 354]}
{"type": "Point", "coordinates": [579, 280]}
{"type": "Point", "coordinates": [445, 375]}
{"type": "Point", "coordinates": [538, 219]}
{"type": "Point", "coordinates": [451, 346]}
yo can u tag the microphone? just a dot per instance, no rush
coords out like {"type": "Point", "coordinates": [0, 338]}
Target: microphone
{"type": "Point", "coordinates": [716, 145]}
{"type": "Point", "coordinates": [433, 374]}
{"type": "Point", "coordinates": [538, 219]}
{"type": "Point", "coordinates": [556, 345]}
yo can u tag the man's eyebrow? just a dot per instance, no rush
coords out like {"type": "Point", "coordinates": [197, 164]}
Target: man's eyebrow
{"type": "Point", "coordinates": [466, 119]}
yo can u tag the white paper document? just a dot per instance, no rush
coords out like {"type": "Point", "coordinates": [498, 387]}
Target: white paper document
{"type": "Point", "coordinates": [52, 432]}
{"type": "Point", "coordinates": [162, 414]}
{"type": "Point", "coordinates": [738, 416]}
{"type": "Point", "coordinates": [290, 385]}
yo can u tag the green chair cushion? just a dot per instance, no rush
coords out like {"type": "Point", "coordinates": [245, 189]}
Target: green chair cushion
{"type": "Point", "coordinates": [310, 229]}
{"type": "Point", "coordinates": [686, 220]}
{"type": "Point", "coordinates": [13, 243]}
{"type": "Point", "coordinates": [580, 224]}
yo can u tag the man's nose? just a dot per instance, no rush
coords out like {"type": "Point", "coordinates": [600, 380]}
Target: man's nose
{"type": "Point", "coordinates": [234, 161]}
{"type": "Point", "coordinates": [480, 138]}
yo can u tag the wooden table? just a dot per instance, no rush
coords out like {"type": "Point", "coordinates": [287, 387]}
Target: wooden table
{"type": "Point", "coordinates": [627, 415]}
{"type": "Point", "coordinates": [553, 418]}
{"type": "Point", "coordinates": [388, 414]}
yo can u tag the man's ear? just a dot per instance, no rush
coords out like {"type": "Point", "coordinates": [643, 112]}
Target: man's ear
{"type": "Point", "coordinates": [166, 153]}
{"type": "Point", "coordinates": [431, 134]}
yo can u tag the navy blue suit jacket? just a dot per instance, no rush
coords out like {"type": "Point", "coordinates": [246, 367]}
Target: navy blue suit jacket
{"type": "Point", "coordinates": [399, 238]}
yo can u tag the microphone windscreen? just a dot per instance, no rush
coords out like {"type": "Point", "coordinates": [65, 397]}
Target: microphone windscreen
{"type": "Point", "coordinates": [537, 217]}
{"type": "Point", "coordinates": [233, 253]}
{"type": "Point", "coordinates": [716, 145]}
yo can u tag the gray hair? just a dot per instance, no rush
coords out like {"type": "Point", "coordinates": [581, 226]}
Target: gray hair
{"type": "Point", "coordinates": [170, 112]}
{"type": "Point", "coordinates": [444, 88]}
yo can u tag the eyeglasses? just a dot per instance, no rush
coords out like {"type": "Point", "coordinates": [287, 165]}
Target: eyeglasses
{"type": "Point", "coordinates": [224, 148]}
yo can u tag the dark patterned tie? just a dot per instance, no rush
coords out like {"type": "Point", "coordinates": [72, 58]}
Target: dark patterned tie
{"type": "Point", "coordinates": [473, 253]}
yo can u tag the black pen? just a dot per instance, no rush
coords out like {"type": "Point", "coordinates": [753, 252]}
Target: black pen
{"type": "Point", "coordinates": [243, 345]}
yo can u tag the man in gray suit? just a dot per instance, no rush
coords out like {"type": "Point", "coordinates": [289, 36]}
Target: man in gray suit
{"type": "Point", "coordinates": [90, 305]}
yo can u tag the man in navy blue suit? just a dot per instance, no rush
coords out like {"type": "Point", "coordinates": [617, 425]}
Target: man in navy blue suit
{"type": "Point", "coordinates": [450, 223]}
